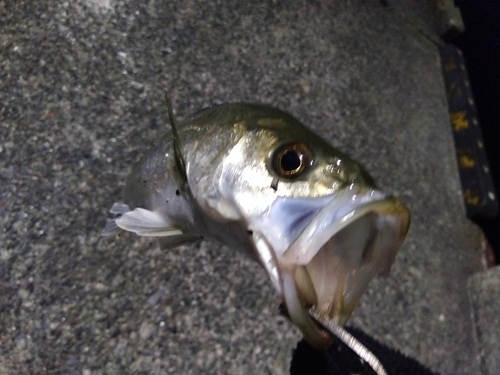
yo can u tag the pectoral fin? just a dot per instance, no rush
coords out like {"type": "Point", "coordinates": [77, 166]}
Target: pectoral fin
{"type": "Point", "coordinates": [119, 209]}
{"type": "Point", "coordinates": [147, 223]}
{"type": "Point", "coordinates": [111, 228]}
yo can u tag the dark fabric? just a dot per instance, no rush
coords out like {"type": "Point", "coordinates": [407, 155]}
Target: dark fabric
{"type": "Point", "coordinates": [481, 47]}
{"type": "Point", "coordinates": [340, 360]}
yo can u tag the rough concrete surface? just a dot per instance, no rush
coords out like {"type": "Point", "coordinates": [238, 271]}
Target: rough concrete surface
{"type": "Point", "coordinates": [81, 99]}
{"type": "Point", "coordinates": [484, 290]}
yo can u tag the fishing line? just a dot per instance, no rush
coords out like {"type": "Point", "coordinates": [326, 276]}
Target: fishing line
{"type": "Point", "coordinates": [349, 340]}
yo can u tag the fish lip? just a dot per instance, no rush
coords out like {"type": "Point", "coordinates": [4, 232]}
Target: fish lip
{"type": "Point", "coordinates": [300, 251]}
{"type": "Point", "coordinates": [293, 264]}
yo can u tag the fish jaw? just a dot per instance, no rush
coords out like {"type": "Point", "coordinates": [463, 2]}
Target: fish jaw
{"type": "Point", "coordinates": [323, 252]}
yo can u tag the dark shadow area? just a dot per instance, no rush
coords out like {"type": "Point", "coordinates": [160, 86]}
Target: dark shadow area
{"type": "Point", "coordinates": [340, 360]}
{"type": "Point", "coordinates": [481, 47]}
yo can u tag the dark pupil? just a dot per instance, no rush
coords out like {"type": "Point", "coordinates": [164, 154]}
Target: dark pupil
{"type": "Point", "coordinates": [290, 161]}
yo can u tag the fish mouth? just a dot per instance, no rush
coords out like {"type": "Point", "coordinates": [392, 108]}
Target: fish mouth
{"type": "Point", "coordinates": [323, 252]}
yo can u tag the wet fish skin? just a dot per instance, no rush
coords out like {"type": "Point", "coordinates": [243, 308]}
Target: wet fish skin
{"type": "Point", "coordinates": [208, 137]}
{"type": "Point", "coordinates": [235, 182]}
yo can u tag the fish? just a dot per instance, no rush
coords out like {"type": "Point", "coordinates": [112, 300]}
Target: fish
{"type": "Point", "coordinates": [259, 181]}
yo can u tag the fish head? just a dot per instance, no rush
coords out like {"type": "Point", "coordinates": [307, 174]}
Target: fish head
{"type": "Point", "coordinates": [313, 216]}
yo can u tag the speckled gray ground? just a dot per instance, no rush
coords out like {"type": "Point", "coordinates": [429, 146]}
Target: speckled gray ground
{"type": "Point", "coordinates": [484, 289]}
{"type": "Point", "coordinates": [81, 100]}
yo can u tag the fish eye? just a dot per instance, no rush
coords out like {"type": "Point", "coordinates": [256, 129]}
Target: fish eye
{"type": "Point", "coordinates": [291, 159]}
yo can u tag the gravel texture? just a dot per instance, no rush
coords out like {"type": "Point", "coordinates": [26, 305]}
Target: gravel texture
{"type": "Point", "coordinates": [81, 100]}
{"type": "Point", "coordinates": [484, 289]}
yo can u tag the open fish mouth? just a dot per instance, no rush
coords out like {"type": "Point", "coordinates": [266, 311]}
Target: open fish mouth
{"type": "Point", "coordinates": [323, 252]}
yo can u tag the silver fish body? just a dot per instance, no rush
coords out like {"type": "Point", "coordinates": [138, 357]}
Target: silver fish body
{"type": "Point", "coordinates": [258, 180]}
